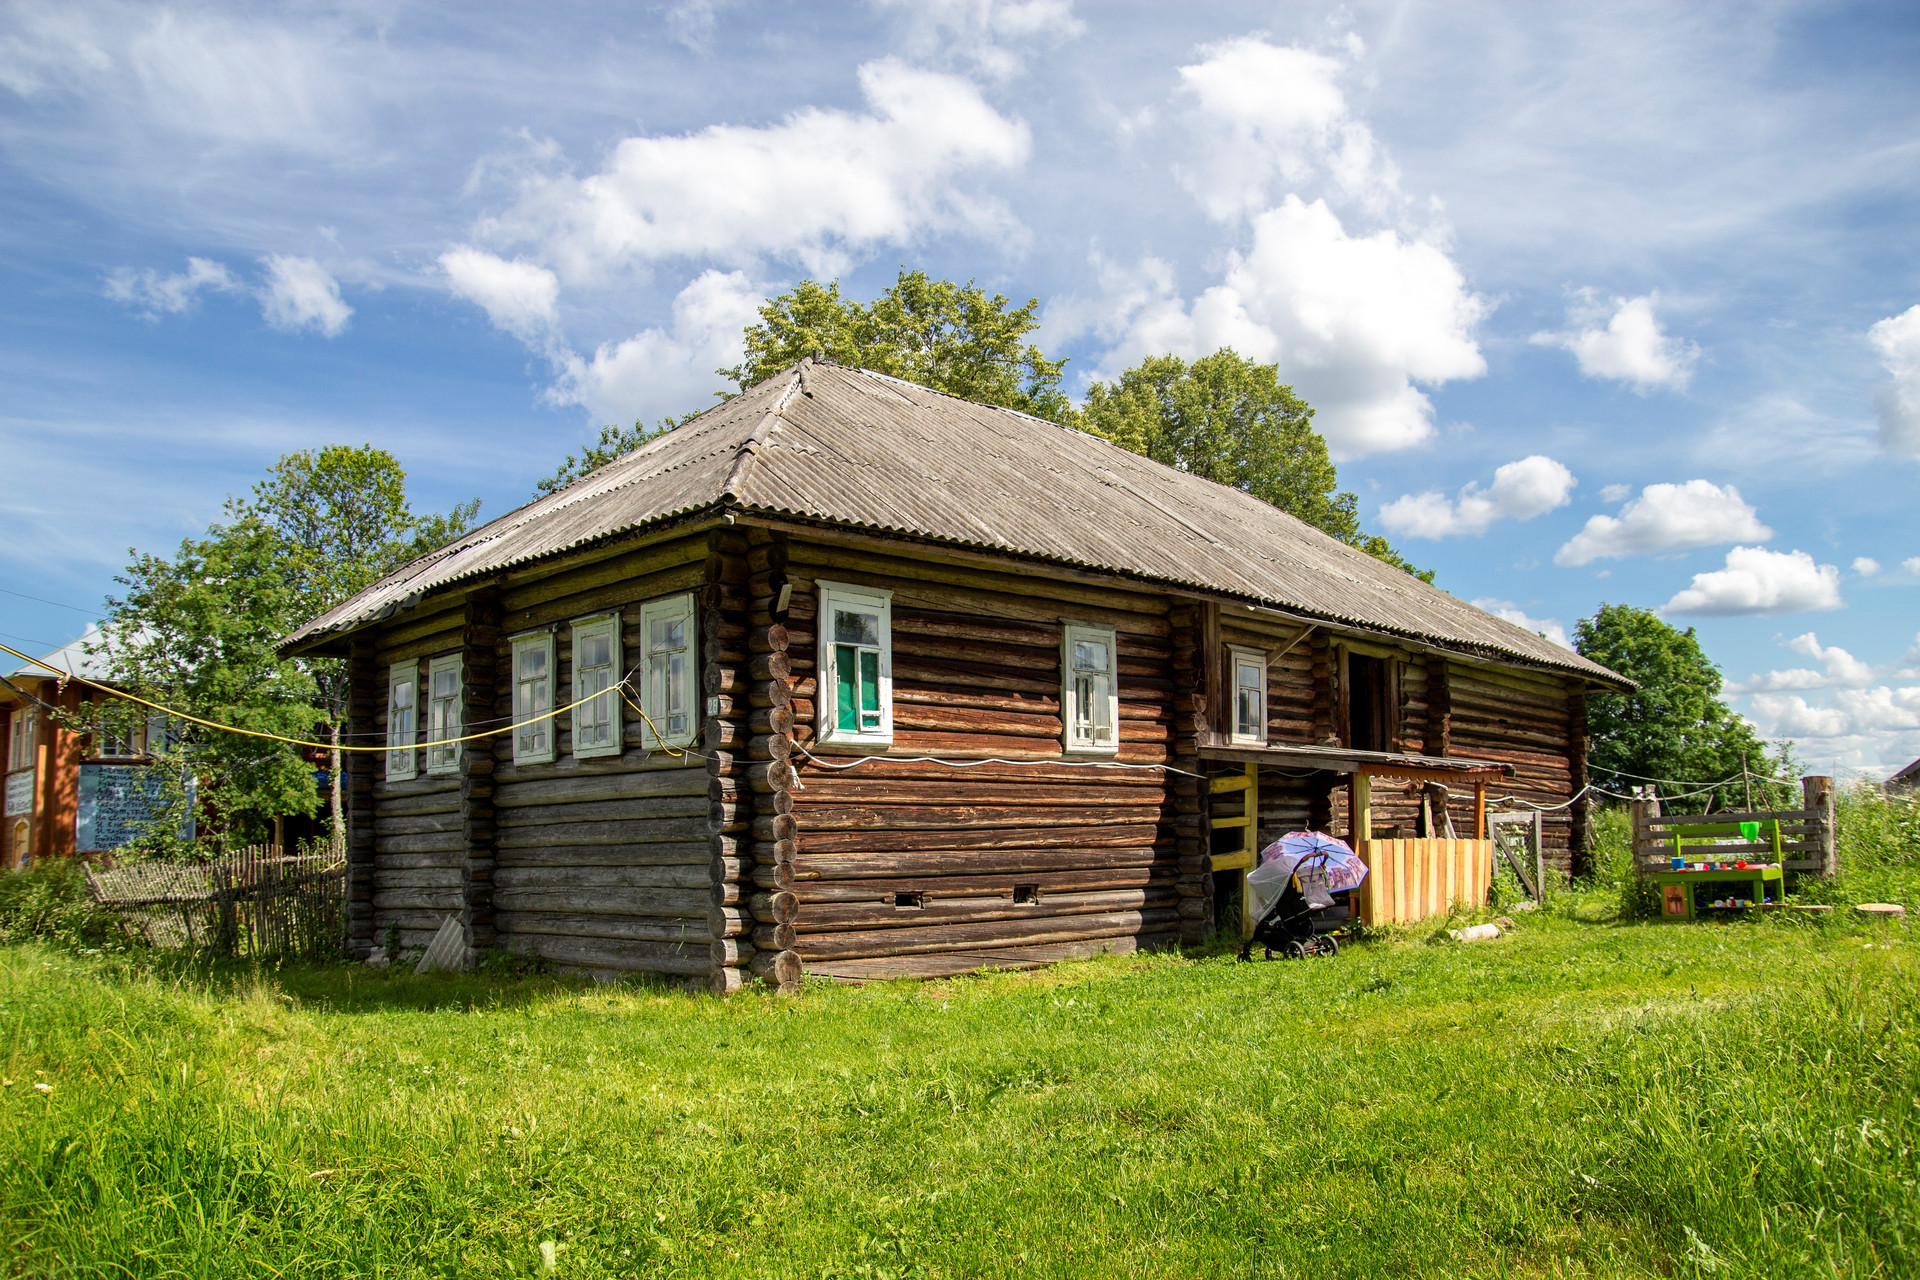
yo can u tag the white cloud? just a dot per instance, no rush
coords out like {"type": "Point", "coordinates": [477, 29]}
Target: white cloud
{"type": "Point", "coordinates": [1276, 114]}
{"type": "Point", "coordinates": [1352, 321]}
{"type": "Point", "coordinates": [1630, 348]}
{"type": "Point", "coordinates": [1666, 517]}
{"type": "Point", "coordinates": [519, 297]}
{"type": "Point", "coordinates": [1911, 564]}
{"type": "Point", "coordinates": [302, 294]}
{"type": "Point", "coordinates": [818, 186]}
{"type": "Point", "coordinates": [1616, 493]}
{"type": "Point", "coordinates": [1866, 566]}
{"type": "Point", "coordinates": [981, 31]}
{"type": "Point", "coordinates": [662, 371]}
{"type": "Point", "coordinates": [1548, 627]}
{"type": "Point", "coordinates": [1758, 581]}
{"type": "Point", "coordinates": [1840, 669]}
{"type": "Point", "coordinates": [154, 294]}
{"type": "Point", "coordinates": [1521, 490]}
{"type": "Point", "coordinates": [1897, 339]}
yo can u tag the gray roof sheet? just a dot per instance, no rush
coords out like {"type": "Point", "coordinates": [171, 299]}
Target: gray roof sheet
{"type": "Point", "coordinates": [861, 450]}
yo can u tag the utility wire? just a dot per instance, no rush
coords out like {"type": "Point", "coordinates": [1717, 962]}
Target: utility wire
{"type": "Point", "coordinates": [92, 613]}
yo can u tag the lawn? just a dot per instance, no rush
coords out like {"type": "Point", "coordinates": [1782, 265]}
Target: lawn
{"type": "Point", "coordinates": [1583, 1097]}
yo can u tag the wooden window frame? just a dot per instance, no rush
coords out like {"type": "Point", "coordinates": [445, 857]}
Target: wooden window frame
{"type": "Point", "coordinates": [543, 640]}
{"type": "Point", "coordinates": [874, 600]}
{"type": "Point", "coordinates": [443, 756]}
{"type": "Point", "coordinates": [22, 729]}
{"type": "Point", "coordinates": [608, 624]}
{"type": "Point", "coordinates": [652, 695]}
{"type": "Point", "coordinates": [1237, 655]}
{"type": "Point", "coordinates": [1072, 633]}
{"type": "Point", "coordinates": [403, 765]}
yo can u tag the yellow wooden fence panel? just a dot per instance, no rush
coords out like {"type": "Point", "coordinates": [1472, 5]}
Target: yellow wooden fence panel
{"type": "Point", "coordinates": [1413, 879]}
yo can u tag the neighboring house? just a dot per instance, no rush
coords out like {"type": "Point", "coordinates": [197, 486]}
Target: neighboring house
{"type": "Point", "coordinates": [69, 791]}
{"type": "Point", "coordinates": [834, 593]}
{"type": "Point", "coordinates": [1904, 783]}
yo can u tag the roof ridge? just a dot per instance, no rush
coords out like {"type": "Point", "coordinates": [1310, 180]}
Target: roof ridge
{"type": "Point", "coordinates": [749, 449]}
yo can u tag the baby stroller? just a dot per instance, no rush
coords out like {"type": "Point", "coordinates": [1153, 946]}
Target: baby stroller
{"type": "Point", "coordinates": [1299, 910]}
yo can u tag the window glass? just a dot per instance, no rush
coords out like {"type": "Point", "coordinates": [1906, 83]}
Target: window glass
{"type": "Point", "coordinates": [596, 662]}
{"type": "Point", "coordinates": [857, 649]}
{"type": "Point", "coordinates": [443, 714]}
{"type": "Point", "coordinates": [20, 740]}
{"type": "Point", "coordinates": [1249, 696]}
{"type": "Point", "coordinates": [533, 698]}
{"type": "Point", "coordinates": [667, 628]}
{"type": "Point", "coordinates": [401, 730]}
{"type": "Point", "coordinates": [1088, 689]}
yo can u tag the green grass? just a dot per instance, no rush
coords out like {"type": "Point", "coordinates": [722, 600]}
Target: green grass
{"type": "Point", "coordinates": [1585, 1097]}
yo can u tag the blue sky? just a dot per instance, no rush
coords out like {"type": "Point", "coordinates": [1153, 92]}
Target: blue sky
{"type": "Point", "coordinates": [1595, 303]}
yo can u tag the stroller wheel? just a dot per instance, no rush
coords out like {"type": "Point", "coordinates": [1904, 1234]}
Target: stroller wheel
{"type": "Point", "coordinates": [1269, 951]}
{"type": "Point", "coordinates": [1329, 945]}
{"type": "Point", "coordinates": [1296, 951]}
{"type": "Point", "coordinates": [1246, 951]}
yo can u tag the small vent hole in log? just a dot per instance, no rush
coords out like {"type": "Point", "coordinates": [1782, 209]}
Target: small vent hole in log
{"type": "Point", "coordinates": [1026, 895]}
{"type": "Point", "coordinates": [910, 900]}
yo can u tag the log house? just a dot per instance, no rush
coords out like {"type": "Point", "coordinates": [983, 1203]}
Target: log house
{"type": "Point", "coordinates": [873, 681]}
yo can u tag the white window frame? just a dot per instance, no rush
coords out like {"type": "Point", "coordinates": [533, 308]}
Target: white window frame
{"type": "Point", "coordinates": [1073, 742]}
{"type": "Point", "coordinates": [402, 765]}
{"type": "Point", "coordinates": [608, 625]}
{"type": "Point", "coordinates": [21, 731]}
{"type": "Point", "coordinates": [542, 753]}
{"type": "Point", "coordinates": [1239, 657]}
{"type": "Point", "coordinates": [653, 693]}
{"type": "Point", "coordinates": [442, 760]}
{"type": "Point", "coordinates": [874, 600]}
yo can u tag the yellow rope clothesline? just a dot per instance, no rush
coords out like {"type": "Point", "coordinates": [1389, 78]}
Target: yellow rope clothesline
{"type": "Point", "coordinates": [329, 746]}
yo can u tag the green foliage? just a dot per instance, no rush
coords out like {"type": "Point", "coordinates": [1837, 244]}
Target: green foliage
{"type": "Point", "coordinates": [614, 442]}
{"type": "Point", "coordinates": [1877, 844]}
{"type": "Point", "coordinates": [197, 633]}
{"type": "Point", "coordinates": [1232, 421]}
{"type": "Point", "coordinates": [1675, 726]}
{"type": "Point", "coordinates": [48, 902]}
{"type": "Point", "coordinates": [1574, 1099]}
{"type": "Point", "coordinates": [950, 337]}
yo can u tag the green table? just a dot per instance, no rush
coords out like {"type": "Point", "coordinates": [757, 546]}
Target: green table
{"type": "Point", "coordinates": [1689, 893]}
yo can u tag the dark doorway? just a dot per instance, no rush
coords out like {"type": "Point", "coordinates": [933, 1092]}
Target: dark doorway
{"type": "Point", "coordinates": [1369, 723]}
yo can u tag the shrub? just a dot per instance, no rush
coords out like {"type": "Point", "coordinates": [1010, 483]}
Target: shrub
{"type": "Point", "coordinates": [48, 902]}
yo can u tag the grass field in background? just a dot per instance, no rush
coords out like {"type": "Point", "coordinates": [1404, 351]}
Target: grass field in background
{"type": "Point", "coordinates": [1584, 1097]}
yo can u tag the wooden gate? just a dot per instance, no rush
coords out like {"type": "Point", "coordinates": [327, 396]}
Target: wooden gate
{"type": "Point", "coordinates": [1412, 879]}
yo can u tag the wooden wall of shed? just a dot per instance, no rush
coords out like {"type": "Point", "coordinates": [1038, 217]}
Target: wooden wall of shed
{"type": "Point", "coordinates": [1529, 721]}
{"type": "Point", "coordinates": [976, 674]}
{"type": "Point", "coordinates": [600, 864]}
{"type": "Point", "coordinates": [419, 846]}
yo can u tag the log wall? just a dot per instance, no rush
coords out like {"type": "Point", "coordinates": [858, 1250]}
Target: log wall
{"type": "Point", "coordinates": [419, 836]}
{"type": "Point", "coordinates": [1529, 721]}
{"type": "Point", "coordinates": [897, 859]}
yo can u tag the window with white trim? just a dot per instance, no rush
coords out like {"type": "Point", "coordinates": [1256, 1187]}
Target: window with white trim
{"type": "Point", "coordinates": [667, 695]}
{"type": "Point", "coordinates": [533, 664]}
{"type": "Point", "coordinates": [401, 724]}
{"type": "Point", "coordinates": [1089, 693]}
{"type": "Point", "coordinates": [20, 739]}
{"type": "Point", "coordinates": [596, 670]}
{"type": "Point", "coordinates": [1249, 695]}
{"type": "Point", "coordinates": [856, 665]}
{"type": "Point", "coordinates": [444, 718]}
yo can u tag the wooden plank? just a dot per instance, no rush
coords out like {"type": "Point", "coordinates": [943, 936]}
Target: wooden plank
{"type": "Point", "coordinates": [692, 932]}
{"type": "Point", "coordinates": [1238, 861]}
{"type": "Point", "coordinates": [993, 885]}
{"type": "Point", "coordinates": [613, 955]}
{"type": "Point", "coordinates": [949, 964]}
{"type": "Point", "coordinates": [812, 865]}
{"type": "Point", "coordinates": [688, 904]}
{"type": "Point", "coordinates": [992, 838]}
{"type": "Point", "coordinates": [963, 937]}
{"type": "Point", "coordinates": [825, 917]}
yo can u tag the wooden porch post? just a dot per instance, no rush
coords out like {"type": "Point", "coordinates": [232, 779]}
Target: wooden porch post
{"type": "Point", "coordinates": [1818, 794]}
{"type": "Point", "coordinates": [1360, 806]}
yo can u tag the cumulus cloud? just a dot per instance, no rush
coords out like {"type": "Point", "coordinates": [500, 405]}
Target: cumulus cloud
{"type": "Point", "coordinates": [1623, 341]}
{"type": "Point", "coordinates": [1616, 493]}
{"type": "Point", "coordinates": [1854, 713]}
{"type": "Point", "coordinates": [1897, 339]}
{"type": "Point", "coordinates": [665, 370]}
{"type": "Point", "coordinates": [1839, 669]}
{"type": "Point", "coordinates": [815, 188]}
{"type": "Point", "coordinates": [1520, 490]}
{"type": "Point", "coordinates": [984, 33]}
{"type": "Point", "coordinates": [154, 294]}
{"type": "Point", "coordinates": [1667, 517]}
{"type": "Point", "coordinates": [1911, 564]}
{"type": "Point", "coordinates": [520, 297]}
{"type": "Point", "coordinates": [1548, 627]}
{"type": "Point", "coordinates": [301, 294]}
{"type": "Point", "coordinates": [1762, 582]}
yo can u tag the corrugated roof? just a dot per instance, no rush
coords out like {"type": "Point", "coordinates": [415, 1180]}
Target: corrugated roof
{"type": "Point", "coordinates": [864, 451]}
{"type": "Point", "coordinates": [73, 658]}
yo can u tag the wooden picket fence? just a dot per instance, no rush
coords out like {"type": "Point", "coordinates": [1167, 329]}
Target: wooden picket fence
{"type": "Point", "coordinates": [251, 902]}
{"type": "Point", "coordinates": [1805, 836]}
{"type": "Point", "coordinates": [1409, 880]}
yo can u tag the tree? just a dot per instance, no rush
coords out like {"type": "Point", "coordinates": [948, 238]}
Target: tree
{"type": "Point", "coordinates": [1231, 420]}
{"type": "Point", "coordinates": [1675, 726]}
{"type": "Point", "coordinates": [197, 633]}
{"type": "Point", "coordinates": [614, 443]}
{"type": "Point", "coordinates": [343, 522]}
{"type": "Point", "coordinates": [950, 337]}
